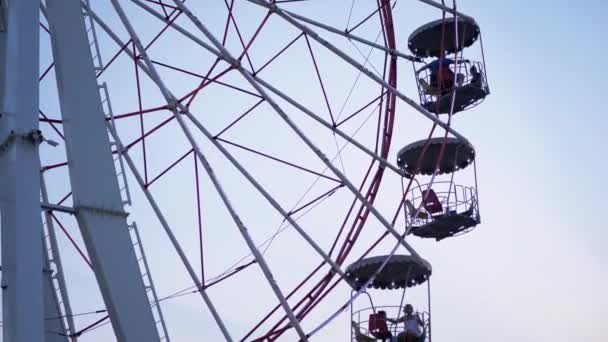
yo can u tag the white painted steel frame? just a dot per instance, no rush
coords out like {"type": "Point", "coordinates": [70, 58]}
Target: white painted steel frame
{"type": "Point", "coordinates": [165, 224]}
{"type": "Point", "coordinates": [305, 110]}
{"type": "Point", "coordinates": [164, 334]}
{"type": "Point", "coordinates": [252, 80]}
{"type": "Point", "coordinates": [273, 202]}
{"type": "Point", "coordinates": [140, 181]}
{"type": "Point", "coordinates": [335, 267]}
{"type": "Point", "coordinates": [96, 194]}
{"type": "Point", "coordinates": [308, 31]}
{"type": "Point", "coordinates": [225, 55]}
{"type": "Point", "coordinates": [349, 35]}
{"type": "Point", "coordinates": [22, 252]}
{"type": "Point", "coordinates": [66, 313]}
{"type": "Point", "coordinates": [173, 105]}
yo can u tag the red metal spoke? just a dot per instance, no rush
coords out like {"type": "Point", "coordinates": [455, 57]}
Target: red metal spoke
{"type": "Point", "coordinates": [255, 34]}
{"type": "Point", "coordinates": [345, 221]}
{"type": "Point", "coordinates": [91, 326]}
{"type": "Point", "coordinates": [278, 306]}
{"type": "Point", "coordinates": [145, 111]}
{"type": "Point", "coordinates": [72, 241]}
{"type": "Point", "coordinates": [51, 122]}
{"type": "Point", "coordinates": [314, 61]}
{"type": "Point", "coordinates": [308, 299]}
{"type": "Point", "coordinates": [130, 41]}
{"type": "Point", "coordinates": [164, 29]}
{"type": "Point", "coordinates": [214, 80]}
{"type": "Point", "coordinates": [163, 5]}
{"type": "Point", "coordinates": [239, 118]}
{"type": "Point", "coordinates": [180, 159]}
{"type": "Point", "coordinates": [278, 160]}
{"type": "Point", "coordinates": [166, 121]}
{"type": "Point", "coordinates": [389, 111]}
{"type": "Point", "coordinates": [206, 80]}
{"type": "Point", "coordinates": [279, 53]}
{"type": "Point", "coordinates": [64, 198]}
{"type": "Point", "coordinates": [114, 57]}
{"type": "Point", "coordinates": [360, 110]}
{"type": "Point", "coordinates": [348, 233]}
{"type": "Point", "coordinates": [54, 166]}
{"type": "Point", "coordinates": [45, 28]}
{"type": "Point", "coordinates": [238, 32]}
{"type": "Point", "coordinates": [305, 312]}
{"type": "Point", "coordinates": [227, 26]}
{"type": "Point", "coordinates": [46, 71]}
{"type": "Point", "coordinates": [376, 11]}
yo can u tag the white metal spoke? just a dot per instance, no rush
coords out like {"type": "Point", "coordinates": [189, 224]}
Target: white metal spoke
{"type": "Point", "coordinates": [348, 35]}
{"type": "Point", "coordinates": [174, 104]}
{"type": "Point", "coordinates": [335, 267]}
{"type": "Point", "coordinates": [251, 79]}
{"type": "Point", "coordinates": [266, 195]}
{"type": "Point", "coordinates": [273, 7]}
{"type": "Point", "coordinates": [167, 228]}
{"type": "Point", "coordinates": [164, 223]}
{"type": "Point", "coordinates": [98, 204]}
{"type": "Point", "coordinates": [305, 110]}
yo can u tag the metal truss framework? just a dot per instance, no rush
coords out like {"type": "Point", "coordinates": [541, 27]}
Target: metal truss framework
{"type": "Point", "coordinates": [364, 193]}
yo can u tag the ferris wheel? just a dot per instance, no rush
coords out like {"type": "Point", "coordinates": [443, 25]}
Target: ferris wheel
{"type": "Point", "coordinates": [227, 170]}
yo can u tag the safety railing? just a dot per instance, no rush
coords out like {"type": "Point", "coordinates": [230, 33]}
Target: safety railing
{"type": "Point", "coordinates": [454, 199]}
{"type": "Point", "coordinates": [361, 319]}
{"type": "Point", "coordinates": [465, 73]}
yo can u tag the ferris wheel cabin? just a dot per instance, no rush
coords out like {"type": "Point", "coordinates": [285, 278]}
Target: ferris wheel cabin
{"type": "Point", "coordinates": [400, 272]}
{"type": "Point", "coordinates": [444, 208]}
{"type": "Point", "coordinates": [438, 79]}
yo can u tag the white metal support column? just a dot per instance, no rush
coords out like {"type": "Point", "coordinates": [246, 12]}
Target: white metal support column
{"type": "Point", "coordinates": [97, 201]}
{"type": "Point", "coordinates": [22, 261]}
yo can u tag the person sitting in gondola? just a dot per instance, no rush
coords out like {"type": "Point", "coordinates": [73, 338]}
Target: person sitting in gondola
{"type": "Point", "coordinates": [440, 68]}
{"type": "Point", "coordinates": [414, 325]}
{"type": "Point", "coordinates": [476, 79]}
{"type": "Point", "coordinates": [359, 336]}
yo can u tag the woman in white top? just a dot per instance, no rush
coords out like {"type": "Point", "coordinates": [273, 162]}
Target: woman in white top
{"type": "Point", "coordinates": [413, 325]}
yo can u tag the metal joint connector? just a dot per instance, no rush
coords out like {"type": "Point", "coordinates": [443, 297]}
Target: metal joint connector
{"type": "Point", "coordinates": [6, 143]}
{"type": "Point", "coordinates": [34, 136]}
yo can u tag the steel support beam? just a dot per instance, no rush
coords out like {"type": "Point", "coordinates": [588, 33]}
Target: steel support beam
{"type": "Point", "coordinates": [58, 275]}
{"type": "Point", "coordinates": [97, 200]}
{"type": "Point", "coordinates": [22, 252]}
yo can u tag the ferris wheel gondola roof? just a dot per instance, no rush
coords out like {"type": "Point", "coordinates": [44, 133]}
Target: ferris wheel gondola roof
{"type": "Point", "coordinates": [400, 271]}
{"type": "Point", "coordinates": [457, 155]}
{"type": "Point", "coordinates": [426, 40]}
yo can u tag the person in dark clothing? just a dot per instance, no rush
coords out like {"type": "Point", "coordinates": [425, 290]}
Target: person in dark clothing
{"type": "Point", "coordinates": [440, 68]}
{"type": "Point", "coordinates": [476, 79]}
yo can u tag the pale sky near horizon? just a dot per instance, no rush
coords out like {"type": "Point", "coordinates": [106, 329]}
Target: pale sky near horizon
{"type": "Point", "coordinates": [534, 270]}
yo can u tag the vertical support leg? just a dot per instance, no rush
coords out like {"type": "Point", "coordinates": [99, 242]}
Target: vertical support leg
{"type": "Point", "coordinates": [96, 193]}
{"type": "Point", "coordinates": [22, 254]}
